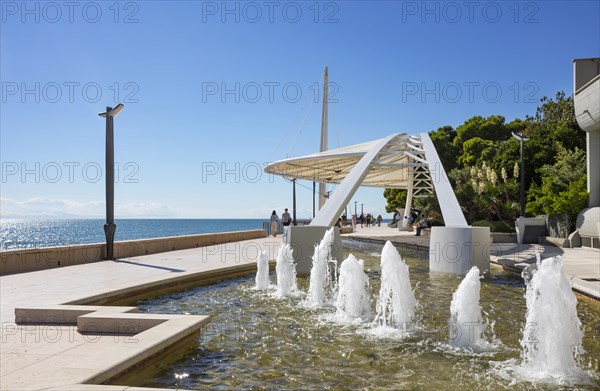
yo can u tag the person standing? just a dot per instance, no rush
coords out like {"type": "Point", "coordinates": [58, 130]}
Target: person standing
{"type": "Point", "coordinates": [379, 218]}
{"type": "Point", "coordinates": [274, 221]}
{"type": "Point", "coordinates": [286, 219]}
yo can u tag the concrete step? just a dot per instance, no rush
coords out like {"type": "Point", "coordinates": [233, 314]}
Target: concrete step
{"type": "Point", "coordinates": [63, 314]}
{"type": "Point", "coordinates": [120, 323]}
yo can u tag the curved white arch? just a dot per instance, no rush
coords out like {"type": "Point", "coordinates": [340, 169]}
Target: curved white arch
{"type": "Point", "coordinates": [397, 161]}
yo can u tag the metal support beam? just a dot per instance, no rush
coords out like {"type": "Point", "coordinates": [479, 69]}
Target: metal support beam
{"type": "Point", "coordinates": [414, 148]}
{"type": "Point", "coordinates": [415, 157]}
{"type": "Point", "coordinates": [399, 164]}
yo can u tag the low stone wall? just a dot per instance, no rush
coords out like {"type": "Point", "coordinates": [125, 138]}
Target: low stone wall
{"type": "Point", "coordinates": [503, 237]}
{"type": "Point", "coordinates": [557, 242]}
{"type": "Point", "coordinates": [27, 260]}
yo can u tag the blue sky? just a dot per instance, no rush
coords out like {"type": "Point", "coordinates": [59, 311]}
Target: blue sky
{"type": "Point", "coordinates": [186, 149]}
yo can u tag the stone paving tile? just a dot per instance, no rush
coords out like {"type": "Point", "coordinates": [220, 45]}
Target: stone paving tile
{"type": "Point", "coordinates": [13, 361]}
{"type": "Point", "coordinates": [38, 378]}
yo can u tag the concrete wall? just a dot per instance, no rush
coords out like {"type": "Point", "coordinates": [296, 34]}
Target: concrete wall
{"type": "Point", "coordinates": [456, 250]}
{"type": "Point", "coordinates": [503, 237]}
{"type": "Point", "coordinates": [584, 70]}
{"type": "Point", "coordinates": [27, 260]}
{"type": "Point", "coordinates": [303, 239]}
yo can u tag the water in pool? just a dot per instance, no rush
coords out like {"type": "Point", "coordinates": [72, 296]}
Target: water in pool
{"type": "Point", "coordinates": [258, 340]}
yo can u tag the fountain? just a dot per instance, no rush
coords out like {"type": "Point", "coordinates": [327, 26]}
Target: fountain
{"type": "Point", "coordinates": [262, 272]}
{"type": "Point", "coordinates": [286, 272]}
{"type": "Point", "coordinates": [279, 337]}
{"type": "Point", "coordinates": [321, 279]}
{"type": "Point", "coordinates": [552, 338]}
{"type": "Point", "coordinates": [466, 323]}
{"type": "Point", "coordinates": [396, 302]}
{"type": "Point", "coordinates": [353, 292]}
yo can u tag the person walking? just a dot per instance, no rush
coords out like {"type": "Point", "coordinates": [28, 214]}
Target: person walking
{"type": "Point", "coordinates": [274, 221]}
{"type": "Point", "coordinates": [286, 219]}
{"type": "Point", "coordinates": [379, 218]}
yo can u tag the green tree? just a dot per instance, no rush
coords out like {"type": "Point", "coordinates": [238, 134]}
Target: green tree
{"type": "Point", "coordinates": [555, 122]}
{"type": "Point", "coordinates": [396, 199]}
{"type": "Point", "coordinates": [473, 151]}
{"type": "Point", "coordinates": [553, 127]}
{"type": "Point", "coordinates": [564, 187]}
{"type": "Point", "coordinates": [490, 128]}
{"type": "Point", "coordinates": [443, 140]}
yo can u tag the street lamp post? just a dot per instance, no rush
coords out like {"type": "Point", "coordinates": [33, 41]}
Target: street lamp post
{"type": "Point", "coordinates": [522, 139]}
{"type": "Point", "coordinates": [110, 227]}
{"type": "Point", "coordinates": [361, 209]}
{"type": "Point", "coordinates": [294, 200]}
{"type": "Point", "coordinates": [355, 202]}
{"type": "Point", "coordinates": [314, 190]}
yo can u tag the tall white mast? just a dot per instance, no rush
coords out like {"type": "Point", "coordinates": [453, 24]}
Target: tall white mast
{"type": "Point", "coordinates": [324, 134]}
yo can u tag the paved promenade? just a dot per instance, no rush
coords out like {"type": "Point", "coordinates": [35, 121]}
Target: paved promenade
{"type": "Point", "coordinates": [383, 233]}
{"type": "Point", "coordinates": [581, 265]}
{"type": "Point", "coordinates": [34, 357]}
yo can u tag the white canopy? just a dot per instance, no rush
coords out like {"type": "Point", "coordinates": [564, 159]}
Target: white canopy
{"type": "Point", "coordinates": [391, 170]}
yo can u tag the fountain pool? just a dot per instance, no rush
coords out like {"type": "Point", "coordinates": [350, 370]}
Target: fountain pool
{"type": "Point", "coordinates": [257, 340]}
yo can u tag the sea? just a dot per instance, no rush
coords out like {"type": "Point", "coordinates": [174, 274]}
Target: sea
{"type": "Point", "coordinates": [21, 233]}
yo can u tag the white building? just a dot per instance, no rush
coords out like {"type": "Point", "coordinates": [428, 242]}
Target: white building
{"type": "Point", "coordinates": [586, 97]}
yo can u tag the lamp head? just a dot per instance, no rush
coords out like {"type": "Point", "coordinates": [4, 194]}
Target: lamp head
{"type": "Point", "coordinates": [112, 111]}
{"type": "Point", "coordinates": [519, 137]}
